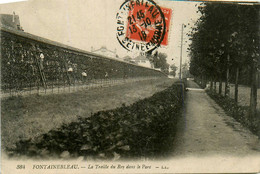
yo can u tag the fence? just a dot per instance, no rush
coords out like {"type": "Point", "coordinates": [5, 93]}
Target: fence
{"type": "Point", "coordinates": [99, 83]}
{"type": "Point", "coordinates": [243, 94]}
{"type": "Point", "coordinates": [31, 63]}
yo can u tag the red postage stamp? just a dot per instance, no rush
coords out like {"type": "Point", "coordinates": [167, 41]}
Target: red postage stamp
{"type": "Point", "coordinates": [142, 25]}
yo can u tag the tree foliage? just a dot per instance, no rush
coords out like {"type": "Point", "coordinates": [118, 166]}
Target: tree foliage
{"type": "Point", "coordinates": [226, 35]}
{"type": "Point", "coordinates": [173, 69]}
{"type": "Point", "coordinates": [225, 40]}
{"type": "Point", "coordinates": [159, 61]}
{"type": "Point", "coordinates": [185, 73]}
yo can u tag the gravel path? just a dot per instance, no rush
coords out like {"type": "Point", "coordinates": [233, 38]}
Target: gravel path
{"type": "Point", "coordinates": [206, 130]}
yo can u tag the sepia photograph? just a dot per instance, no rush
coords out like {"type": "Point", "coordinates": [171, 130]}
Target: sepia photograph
{"type": "Point", "coordinates": [130, 86]}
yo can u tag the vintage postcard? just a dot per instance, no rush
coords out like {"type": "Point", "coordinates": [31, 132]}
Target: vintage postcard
{"type": "Point", "coordinates": [130, 86]}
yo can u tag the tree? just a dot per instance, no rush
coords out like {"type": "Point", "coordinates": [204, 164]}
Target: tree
{"type": "Point", "coordinates": [225, 42]}
{"type": "Point", "coordinates": [159, 61]}
{"type": "Point", "coordinates": [173, 68]}
{"type": "Point", "coordinates": [185, 70]}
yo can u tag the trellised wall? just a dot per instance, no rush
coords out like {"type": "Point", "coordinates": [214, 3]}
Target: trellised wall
{"type": "Point", "coordinates": [30, 61]}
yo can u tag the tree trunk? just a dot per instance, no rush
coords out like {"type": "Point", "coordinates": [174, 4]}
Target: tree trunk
{"type": "Point", "coordinates": [227, 87]}
{"type": "Point", "coordinates": [220, 87]}
{"type": "Point", "coordinates": [201, 79]}
{"type": "Point", "coordinates": [215, 86]}
{"type": "Point", "coordinates": [258, 75]}
{"type": "Point", "coordinates": [253, 95]}
{"type": "Point", "coordinates": [205, 81]}
{"type": "Point", "coordinates": [211, 84]}
{"type": "Point", "coordinates": [236, 85]}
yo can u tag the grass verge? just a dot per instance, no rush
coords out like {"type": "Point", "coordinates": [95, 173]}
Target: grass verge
{"type": "Point", "coordinates": [240, 113]}
{"type": "Point", "coordinates": [25, 117]}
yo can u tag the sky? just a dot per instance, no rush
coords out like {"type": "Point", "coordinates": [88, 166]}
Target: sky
{"type": "Point", "coordinates": [92, 23]}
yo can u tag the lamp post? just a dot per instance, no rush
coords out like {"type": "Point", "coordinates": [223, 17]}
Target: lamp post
{"type": "Point", "coordinates": [182, 26]}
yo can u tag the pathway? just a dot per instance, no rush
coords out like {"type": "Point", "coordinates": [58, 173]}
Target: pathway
{"type": "Point", "coordinates": [205, 129]}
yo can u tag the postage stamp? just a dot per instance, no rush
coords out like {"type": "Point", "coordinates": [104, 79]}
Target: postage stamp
{"type": "Point", "coordinates": [142, 25]}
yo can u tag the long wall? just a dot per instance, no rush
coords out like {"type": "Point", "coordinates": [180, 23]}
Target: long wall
{"type": "Point", "coordinates": [29, 60]}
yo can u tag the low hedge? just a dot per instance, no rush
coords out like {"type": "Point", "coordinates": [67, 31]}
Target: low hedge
{"type": "Point", "coordinates": [143, 129]}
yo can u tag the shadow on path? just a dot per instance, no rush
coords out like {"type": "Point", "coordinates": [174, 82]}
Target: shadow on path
{"type": "Point", "coordinates": [205, 129]}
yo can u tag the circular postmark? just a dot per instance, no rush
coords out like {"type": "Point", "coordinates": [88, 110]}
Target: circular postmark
{"type": "Point", "coordinates": [140, 25]}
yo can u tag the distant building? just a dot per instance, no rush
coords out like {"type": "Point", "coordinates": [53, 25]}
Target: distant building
{"type": "Point", "coordinates": [105, 52]}
{"type": "Point", "coordinates": [129, 59]}
{"type": "Point", "coordinates": [10, 21]}
{"type": "Point", "coordinates": [143, 61]}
